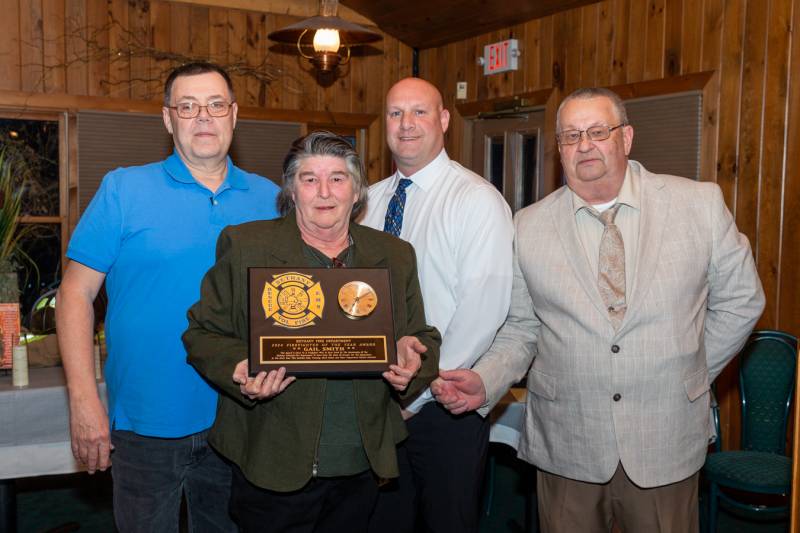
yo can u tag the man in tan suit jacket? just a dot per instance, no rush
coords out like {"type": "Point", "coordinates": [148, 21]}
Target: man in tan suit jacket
{"type": "Point", "coordinates": [617, 416]}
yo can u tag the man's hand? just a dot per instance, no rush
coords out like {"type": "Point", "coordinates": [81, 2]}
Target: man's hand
{"type": "Point", "coordinates": [91, 440]}
{"type": "Point", "coordinates": [408, 363]}
{"type": "Point", "coordinates": [459, 390]}
{"type": "Point", "coordinates": [265, 385]}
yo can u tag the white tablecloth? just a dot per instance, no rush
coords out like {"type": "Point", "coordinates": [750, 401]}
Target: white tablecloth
{"type": "Point", "coordinates": [34, 426]}
{"type": "Point", "coordinates": [508, 418]}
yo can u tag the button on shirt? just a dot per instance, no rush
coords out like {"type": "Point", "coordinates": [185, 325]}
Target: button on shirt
{"type": "Point", "coordinates": [460, 227]}
{"type": "Point", "coordinates": [590, 229]}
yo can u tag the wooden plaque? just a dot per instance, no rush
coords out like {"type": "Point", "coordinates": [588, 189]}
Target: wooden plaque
{"type": "Point", "coordinates": [324, 322]}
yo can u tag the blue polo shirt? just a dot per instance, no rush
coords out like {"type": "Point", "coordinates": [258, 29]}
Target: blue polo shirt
{"type": "Point", "coordinates": [153, 230]}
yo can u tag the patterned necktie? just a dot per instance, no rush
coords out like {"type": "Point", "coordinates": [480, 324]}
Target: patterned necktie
{"type": "Point", "coordinates": [611, 267]}
{"type": "Point", "coordinates": [394, 215]}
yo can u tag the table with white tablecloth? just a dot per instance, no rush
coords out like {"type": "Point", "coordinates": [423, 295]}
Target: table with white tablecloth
{"type": "Point", "coordinates": [34, 433]}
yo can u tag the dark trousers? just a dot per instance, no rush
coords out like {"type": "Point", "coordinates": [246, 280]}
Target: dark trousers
{"type": "Point", "coordinates": [567, 505]}
{"type": "Point", "coordinates": [324, 505]}
{"type": "Point", "coordinates": [150, 476]}
{"type": "Point", "coordinates": [441, 475]}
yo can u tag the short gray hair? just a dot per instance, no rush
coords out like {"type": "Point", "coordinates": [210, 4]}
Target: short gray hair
{"type": "Point", "coordinates": [594, 92]}
{"type": "Point", "coordinates": [322, 143]}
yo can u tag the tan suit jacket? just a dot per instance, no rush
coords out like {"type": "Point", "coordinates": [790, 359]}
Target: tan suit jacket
{"type": "Point", "coordinates": [639, 395]}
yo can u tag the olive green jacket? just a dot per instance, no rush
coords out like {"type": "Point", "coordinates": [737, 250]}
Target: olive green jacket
{"type": "Point", "coordinates": [275, 441]}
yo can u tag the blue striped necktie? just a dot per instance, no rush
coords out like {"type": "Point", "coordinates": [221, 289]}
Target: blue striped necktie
{"type": "Point", "coordinates": [394, 215]}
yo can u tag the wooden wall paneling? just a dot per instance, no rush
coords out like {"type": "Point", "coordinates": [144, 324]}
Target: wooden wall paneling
{"type": "Point", "coordinates": [590, 45]}
{"type": "Point", "coordinates": [359, 79]}
{"type": "Point", "coordinates": [789, 310]}
{"type": "Point", "coordinates": [562, 35]}
{"type": "Point", "coordinates": [390, 75]}
{"type": "Point", "coordinates": [179, 37]}
{"type": "Point", "coordinates": [297, 80]}
{"type": "Point", "coordinates": [621, 21]}
{"type": "Point", "coordinates": [456, 56]}
{"type": "Point", "coordinates": [519, 76]}
{"type": "Point", "coordinates": [405, 61]}
{"type": "Point", "coordinates": [604, 43]}
{"type": "Point", "coordinates": [237, 50]}
{"type": "Point", "coordinates": [276, 93]}
{"type": "Point", "coordinates": [54, 56]}
{"type": "Point", "coordinates": [159, 67]}
{"type": "Point", "coordinates": [473, 72]}
{"type": "Point", "coordinates": [673, 26]}
{"type": "Point", "coordinates": [552, 166]}
{"type": "Point", "coordinates": [711, 62]}
{"type": "Point", "coordinates": [255, 52]}
{"type": "Point", "coordinates": [733, 24]}
{"type": "Point", "coordinates": [772, 157]}
{"type": "Point", "coordinates": [31, 45]}
{"type": "Point", "coordinates": [654, 52]}
{"type": "Point", "coordinates": [532, 55]}
{"type": "Point", "coordinates": [374, 165]}
{"type": "Point", "coordinates": [637, 40]}
{"type": "Point", "coordinates": [119, 38]}
{"type": "Point", "coordinates": [571, 44]}
{"type": "Point", "coordinates": [218, 35]}
{"type": "Point", "coordinates": [97, 20]}
{"type": "Point", "coordinates": [10, 46]}
{"type": "Point", "coordinates": [750, 139]}
{"type": "Point", "coordinates": [482, 81]}
{"type": "Point", "coordinates": [693, 35]}
{"type": "Point", "coordinates": [139, 27]}
{"type": "Point", "coordinates": [712, 34]}
{"type": "Point", "coordinates": [199, 28]}
{"type": "Point", "coordinates": [76, 47]}
{"type": "Point", "coordinates": [375, 90]}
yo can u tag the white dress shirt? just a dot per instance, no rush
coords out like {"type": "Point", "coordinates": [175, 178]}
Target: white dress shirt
{"type": "Point", "coordinates": [461, 229]}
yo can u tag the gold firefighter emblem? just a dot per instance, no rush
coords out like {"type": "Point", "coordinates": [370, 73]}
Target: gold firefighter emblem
{"type": "Point", "coordinates": [293, 300]}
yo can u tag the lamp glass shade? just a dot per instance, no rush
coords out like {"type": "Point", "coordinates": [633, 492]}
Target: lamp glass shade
{"type": "Point", "coordinates": [326, 40]}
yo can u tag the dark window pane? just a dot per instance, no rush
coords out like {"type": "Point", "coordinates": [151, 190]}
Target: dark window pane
{"type": "Point", "coordinates": [33, 144]}
{"type": "Point", "coordinates": [42, 244]}
{"type": "Point", "coordinates": [496, 159]}
{"type": "Point", "coordinates": [529, 165]}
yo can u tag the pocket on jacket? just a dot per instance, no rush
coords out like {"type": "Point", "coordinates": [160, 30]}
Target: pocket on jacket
{"type": "Point", "coordinates": [697, 384]}
{"type": "Point", "coordinates": [541, 384]}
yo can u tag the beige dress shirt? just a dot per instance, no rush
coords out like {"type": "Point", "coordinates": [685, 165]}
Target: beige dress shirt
{"type": "Point", "coordinates": [590, 229]}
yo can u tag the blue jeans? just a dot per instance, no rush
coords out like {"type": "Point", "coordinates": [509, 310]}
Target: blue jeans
{"type": "Point", "coordinates": [151, 474]}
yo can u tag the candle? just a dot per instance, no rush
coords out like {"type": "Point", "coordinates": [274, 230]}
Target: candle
{"type": "Point", "coordinates": [19, 366]}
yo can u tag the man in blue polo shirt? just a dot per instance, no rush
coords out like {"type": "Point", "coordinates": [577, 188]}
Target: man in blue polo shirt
{"type": "Point", "coordinates": [150, 234]}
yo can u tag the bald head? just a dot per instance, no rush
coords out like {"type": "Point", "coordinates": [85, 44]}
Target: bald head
{"type": "Point", "coordinates": [415, 124]}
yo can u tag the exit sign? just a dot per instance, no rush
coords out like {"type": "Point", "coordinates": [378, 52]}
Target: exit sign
{"type": "Point", "coordinates": [500, 57]}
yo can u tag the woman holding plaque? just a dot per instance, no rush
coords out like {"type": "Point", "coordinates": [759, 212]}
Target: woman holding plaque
{"type": "Point", "coordinates": [307, 452]}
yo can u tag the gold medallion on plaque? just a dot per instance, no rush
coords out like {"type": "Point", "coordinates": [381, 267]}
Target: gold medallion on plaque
{"type": "Point", "coordinates": [357, 299]}
{"type": "Point", "coordinates": [293, 300]}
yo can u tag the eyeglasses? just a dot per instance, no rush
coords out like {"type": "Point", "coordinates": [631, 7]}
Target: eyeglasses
{"type": "Point", "coordinates": [217, 109]}
{"type": "Point", "coordinates": [595, 133]}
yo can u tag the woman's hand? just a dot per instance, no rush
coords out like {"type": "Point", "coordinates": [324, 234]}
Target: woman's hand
{"type": "Point", "coordinates": [265, 385]}
{"type": "Point", "coordinates": [408, 364]}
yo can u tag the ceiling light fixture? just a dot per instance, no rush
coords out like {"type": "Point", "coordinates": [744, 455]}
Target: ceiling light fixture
{"type": "Point", "coordinates": [324, 37]}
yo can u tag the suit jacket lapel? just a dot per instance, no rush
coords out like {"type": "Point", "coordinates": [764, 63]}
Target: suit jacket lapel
{"type": "Point", "coordinates": [287, 247]}
{"type": "Point", "coordinates": [567, 230]}
{"type": "Point", "coordinates": [653, 216]}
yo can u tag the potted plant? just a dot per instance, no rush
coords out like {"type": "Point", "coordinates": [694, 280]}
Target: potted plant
{"type": "Point", "coordinates": [12, 257]}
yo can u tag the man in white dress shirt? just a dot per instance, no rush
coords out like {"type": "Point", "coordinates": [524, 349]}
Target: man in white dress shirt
{"type": "Point", "coordinates": [461, 228]}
